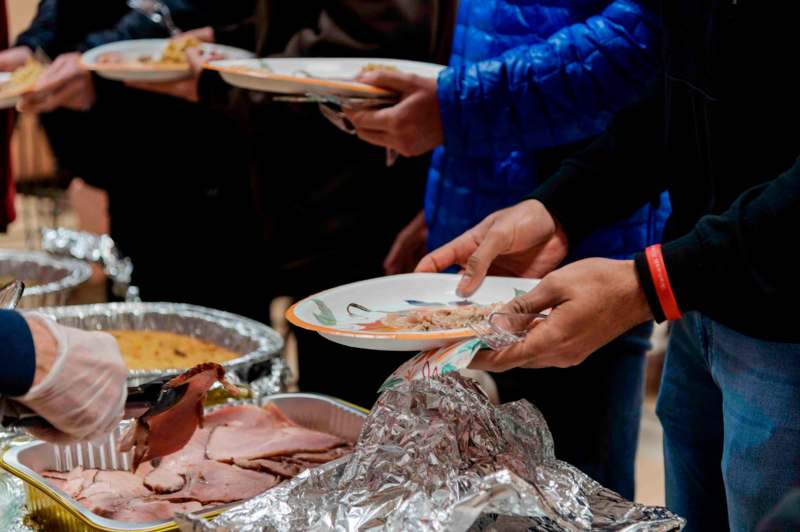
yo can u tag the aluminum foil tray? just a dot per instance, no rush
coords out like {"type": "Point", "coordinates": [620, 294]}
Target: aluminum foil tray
{"type": "Point", "coordinates": [55, 510]}
{"type": "Point", "coordinates": [60, 275]}
{"type": "Point", "coordinates": [260, 364]}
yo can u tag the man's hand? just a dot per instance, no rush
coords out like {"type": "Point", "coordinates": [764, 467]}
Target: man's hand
{"type": "Point", "coordinates": [522, 241]}
{"type": "Point", "coordinates": [412, 126]}
{"type": "Point", "coordinates": [13, 58]}
{"type": "Point", "coordinates": [187, 88]}
{"type": "Point", "coordinates": [408, 247]}
{"type": "Point", "coordinates": [593, 301]}
{"type": "Point", "coordinates": [65, 83]}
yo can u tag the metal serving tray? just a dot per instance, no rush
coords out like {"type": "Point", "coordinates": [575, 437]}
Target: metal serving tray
{"type": "Point", "coordinates": [259, 346]}
{"type": "Point", "coordinates": [60, 276]}
{"type": "Point", "coordinates": [55, 510]}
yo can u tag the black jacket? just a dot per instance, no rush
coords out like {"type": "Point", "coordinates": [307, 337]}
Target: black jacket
{"type": "Point", "coordinates": [721, 134]}
{"type": "Point", "coordinates": [64, 26]}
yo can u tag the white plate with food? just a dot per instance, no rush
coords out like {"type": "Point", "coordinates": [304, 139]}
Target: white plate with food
{"type": "Point", "coordinates": [324, 75]}
{"type": "Point", "coordinates": [15, 84]}
{"type": "Point", "coordinates": [154, 60]}
{"type": "Point", "coordinates": [411, 312]}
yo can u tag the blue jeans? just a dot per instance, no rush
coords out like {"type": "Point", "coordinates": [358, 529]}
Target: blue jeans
{"type": "Point", "coordinates": [730, 407]}
{"type": "Point", "coordinates": [593, 409]}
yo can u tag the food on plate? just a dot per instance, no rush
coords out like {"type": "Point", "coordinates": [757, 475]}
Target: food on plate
{"type": "Point", "coordinates": [175, 51]}
{"type": "Point", "coordinates": [22, 79]}
{"type": "Point", "coordinates": [166, 350]}
{"type": "Point", "coordinates": [372, 67]}
{"type": "Point", "coordinates": [173, 54]}
{"type": "Point", "coordinates": [190, 480]}
{"type": "Point", "coordinates": [170, 424]}
{"type": "Point", "coordinates": [438, 318]}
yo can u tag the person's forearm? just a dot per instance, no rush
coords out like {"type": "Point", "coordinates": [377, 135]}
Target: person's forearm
{"type": "Point", "coordinates": [18, 354]}
{"type": "Point", "coordinates": [741, 259]}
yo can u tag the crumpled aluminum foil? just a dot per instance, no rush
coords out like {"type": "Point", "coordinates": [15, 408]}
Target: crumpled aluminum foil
{"type": "Point", "coordinates": [99, 249]}
{"type": "Point", "coordinates": [59, 276]}
{"type": "Point", "coordinates": [436, 455]}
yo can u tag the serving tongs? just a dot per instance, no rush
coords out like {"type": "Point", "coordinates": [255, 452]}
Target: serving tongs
{"type": "Point", "coordinates": [142, 398]}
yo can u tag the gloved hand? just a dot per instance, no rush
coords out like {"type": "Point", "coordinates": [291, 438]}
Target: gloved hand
{"type": "Point", "coordinates": [83, 391]}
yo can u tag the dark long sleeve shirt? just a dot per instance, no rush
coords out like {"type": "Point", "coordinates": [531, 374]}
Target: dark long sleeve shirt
{"type": "Point", "coordinates": [17, 355]}
{"type": "Point", "coordinates": [722, 138]}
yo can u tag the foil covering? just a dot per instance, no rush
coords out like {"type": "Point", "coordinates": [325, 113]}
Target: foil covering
{"type": "Point", "coordinates": [260, 365]}
{"type": "Point", "coordinates": [99, 249]}
{"type": "Point", "coordinates": [60, 276]}
{"type": "Point", "coordinates": [436, 455]}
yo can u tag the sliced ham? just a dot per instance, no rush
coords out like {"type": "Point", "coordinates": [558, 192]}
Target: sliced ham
{"type": "Point", "coordinates": [143, 510]}
{"type": "Point", "coordinates": [111, 491]}
{"type": "Point", "coordinates": [168, 476]}
{"type": "Point", "coordinates": [323, 457]}
{"type": "Point", "coordinates": [239, 452]}
{"type": "Point", "coordinates": [211, 481]}
{"type": "Point", "coordinates": [279, 467]}
{"type": "Point", "coordinates": [71, 483]}
{"type": "Point", "coordinates": [231, 443]}
{"type": "Point", "coordinates": [169, 425]}
{"type": "Point", "coordinates": [248, 416]}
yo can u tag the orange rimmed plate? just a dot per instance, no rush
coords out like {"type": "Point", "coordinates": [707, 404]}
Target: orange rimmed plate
{"type": "Point", "coordinates": [325, 75]}
{"type": "Point", "coordinates": [327, 314]}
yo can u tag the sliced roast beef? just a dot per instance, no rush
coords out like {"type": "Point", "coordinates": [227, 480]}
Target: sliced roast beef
{"type": "Point", "coordinates": [230, 443]}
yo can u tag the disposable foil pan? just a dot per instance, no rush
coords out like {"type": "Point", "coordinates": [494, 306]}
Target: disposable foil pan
{"type": "Point", "coordinates": [259, 364]}
{"type": "Point", "coordinates": [55, 510]}
{"type": "Point", "coordinates": [60, 275]}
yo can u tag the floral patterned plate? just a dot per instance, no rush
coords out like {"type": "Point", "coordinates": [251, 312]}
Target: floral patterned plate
{"type": "Point", "coordinates": [327, 312]}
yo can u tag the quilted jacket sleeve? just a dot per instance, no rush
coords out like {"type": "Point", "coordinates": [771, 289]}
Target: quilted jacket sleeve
{"type": "Point", "coordinates": [555, 92]}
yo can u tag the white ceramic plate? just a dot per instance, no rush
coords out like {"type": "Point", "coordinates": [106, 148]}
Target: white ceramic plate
{"type": "Point", "coordinates": [327, 75]}
{"type": "Point", "coordinates": [326, 312]}
{"type": "Point", "coordinates": [131, 51]}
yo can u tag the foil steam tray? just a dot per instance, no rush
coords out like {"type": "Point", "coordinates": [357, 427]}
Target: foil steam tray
{"type": "Point", "coordinates": [259, 365]}
{"type": "Point", "coordinates": [55, 510]}
{"type": "Point", "coordinates": [59, 275]}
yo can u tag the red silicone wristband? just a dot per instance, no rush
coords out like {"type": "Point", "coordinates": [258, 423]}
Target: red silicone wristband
{"type": "Point", "coordinates": [658, 273]}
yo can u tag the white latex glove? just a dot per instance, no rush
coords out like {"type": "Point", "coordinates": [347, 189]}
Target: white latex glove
{"type": "Point", "coordinates": [83, 394]}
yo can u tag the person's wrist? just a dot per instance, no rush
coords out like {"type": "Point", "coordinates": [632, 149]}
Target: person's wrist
{"type": "Point", "coordinates": [45, 346]}
{"type": "Point", "coordinates": [639, 305]}
{"type": "Point", "coordinates": [541, 218]}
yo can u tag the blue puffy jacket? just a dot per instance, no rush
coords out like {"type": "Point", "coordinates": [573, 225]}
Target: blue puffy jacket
{"type": "Point", "coordinates": [526, 81]}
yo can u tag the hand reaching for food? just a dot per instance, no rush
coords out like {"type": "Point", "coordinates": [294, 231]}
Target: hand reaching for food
{"type": "Point", "coordinates": [412, 126]}
{"type": "Point", "coordinates": [520, 241]}
{"type": "Point", "coordinates": [80, 382]}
